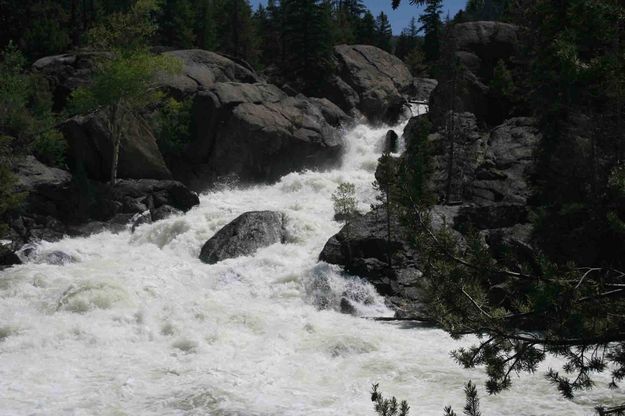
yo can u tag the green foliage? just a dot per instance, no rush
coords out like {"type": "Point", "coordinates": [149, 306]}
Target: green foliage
{"type": "Point", "coordinates": [131, 78]}
{"type": "Point", "coordinates": [408, 40]}
{"type": "Point", "coordinates": [26, 109]}
{"type": "Point", "coordinates": [307, 42]}
{"type": "Point", "coordinates": [502, 84]}
{"type": "Point", "coordinates": [521, 315]}
{"type": "Point", "coordinates": [384, 32]}
{"type": "Point", "coordinates": [126, 80]}
{"type": "Point", "coordinates": [205, 25]}
{"type": "Point", "coordinates": [176, 23]}
{"type": "Point", "coordinates": [416, 62]}
{"type": "Point", "coordinates": [38, 28]}
{"type": "Point", "coordinates": [432, 27]}
{"type": "Point", "coordinates": [126, 30]}
{"type": "Point", "coordinates": [50, 148]}
{"type": "Point", "coordinates": [236, 34]}
{"type": "Point", "coordinates": [366, 30]}
{"type": "Point", "coordinates": [472, 406]}
{"type": "Point", "coordinates": [173, 128]}
{"type": "Point", "coordinates": [9, 198]}
{"type": "Point", "coordinates": [388, 407]}
{"type": "Point", "coordinates": [576, 85]}
{"type": "Point", "coordinates": [480, 10]}
{"type": "Point", "coordinates": [344, 199]}
{"type": "Point", "coordinates": [415, 166]}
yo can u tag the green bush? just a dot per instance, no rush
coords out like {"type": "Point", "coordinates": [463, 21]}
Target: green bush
{"type": "Point", "coordinates": [173, 126]}
{"type": "Point", "coordinates": [9, 199]}
{"type": "Point", "coordinates": [50, 148]}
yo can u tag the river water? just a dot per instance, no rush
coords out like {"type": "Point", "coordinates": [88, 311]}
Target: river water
{"type": "Point", "coordinates": [136, 325]}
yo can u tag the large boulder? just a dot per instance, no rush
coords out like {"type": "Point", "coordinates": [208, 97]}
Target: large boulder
{"type": "Point", "coordinates": [91, 149]}
{"type": "Point", "coordinates": [257, 132]}
{"type": "Point", "coordinates": [202, 69]}
{"type": "Point", "coordinates": [245, 235]}
{"type": "Point", "coordinates": [364, 248]}
{"type": "Point", "coordinates": [475, 49]}
{"type": "Point", "coordinates": [369, 80]}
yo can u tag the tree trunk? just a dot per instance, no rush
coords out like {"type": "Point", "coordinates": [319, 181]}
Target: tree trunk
{"type": "Point", "coordinates": [388, 225]}
{"type": "Point", "coordinates": [116, 136]}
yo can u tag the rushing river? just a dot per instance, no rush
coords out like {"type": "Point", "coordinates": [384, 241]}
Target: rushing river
{"type": "Point", "coordinates": [137, 325]}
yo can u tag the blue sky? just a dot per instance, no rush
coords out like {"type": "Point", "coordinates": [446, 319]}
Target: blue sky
{"type": "Point", "coordinates": [401, 17]}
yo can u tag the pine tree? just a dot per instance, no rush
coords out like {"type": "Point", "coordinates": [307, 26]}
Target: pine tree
{"type": "Point", "coordinates": [431, 25]}
{"type": "Point", "coordinates": [384, 32]}
{"type": "Point", "coordinates": [235, 29]}
{"type": "Point", "coordinates": [366, 33]}
{"type": "Point", "coordinates": [307, 42]}
{"type": "Point", "coordinates": [408, 40]}
{"type": "Point", "coordinates": [177, 23]}
{"type": "Point", "coordinates": [269, 28]}
{"type": "Point", "coordinates": [205, 27]}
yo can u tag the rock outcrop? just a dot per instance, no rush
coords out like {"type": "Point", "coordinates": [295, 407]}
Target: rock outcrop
{"type": "Point", "coordinates": [257, 132]}
{"type": "Point", "coordinates": [474, 49]}
{"type": "Point", "coordinates": [56, 204]}
{"type": "Point", "coordinates": [90, 148]}
{"type": "Point", "coordinates": [422, 88]}
{"type": "Point", "coordinates": [369, 80]}
{"type": "Point", "coordinates": [245, 235]}
{"type": "Point", "coordinates": [202, 69]}
{"type": "Point", "coordinates": [242, 126]}
{"type": "Point", "coordinates": [489, 194]}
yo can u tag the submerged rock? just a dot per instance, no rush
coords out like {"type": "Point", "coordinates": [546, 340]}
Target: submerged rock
{"type": "Point", "coordinates": [8, 257]}
{"type": "Point", "coordinates": [245, 235]}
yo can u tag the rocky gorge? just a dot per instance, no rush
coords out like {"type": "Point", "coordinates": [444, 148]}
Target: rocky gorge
{"type": "Point", "coordinates": [226, 260]}
{"type": "Point", "coordinates": [248, 129]}
{"type": "Point", "coordinates": [243, 128]}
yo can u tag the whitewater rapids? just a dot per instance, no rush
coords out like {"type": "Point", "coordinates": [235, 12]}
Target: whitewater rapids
{"type": "Point", "coordinates": [136, 325]}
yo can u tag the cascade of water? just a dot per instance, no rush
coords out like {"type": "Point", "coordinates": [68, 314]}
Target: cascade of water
{"type": "Point", "coordinates": [134, 324]}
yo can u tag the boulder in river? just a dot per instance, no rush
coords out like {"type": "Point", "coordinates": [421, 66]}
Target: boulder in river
{"type": "Point", "coordinates": [245, 235]}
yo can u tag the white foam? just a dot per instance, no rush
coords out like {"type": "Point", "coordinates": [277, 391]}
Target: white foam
{"type": "Point", "coordinates": [137, 325]}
